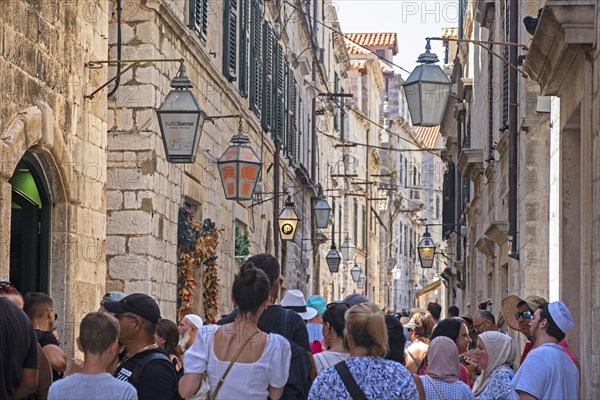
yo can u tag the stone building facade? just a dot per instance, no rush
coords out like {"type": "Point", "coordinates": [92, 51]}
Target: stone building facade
{"type": "Point", "coordinates": [550, 251]}
{"type": "Point", "coordinates": [53, 153]}
{"type": "Point", "coordinates": [88, 177]}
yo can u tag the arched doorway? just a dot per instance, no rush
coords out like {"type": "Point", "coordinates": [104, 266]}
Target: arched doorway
{"type": "Point", "coordinates": [30, 227]}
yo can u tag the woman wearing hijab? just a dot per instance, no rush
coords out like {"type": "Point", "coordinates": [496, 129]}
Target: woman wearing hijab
{"type": "Point", "coordinates": [441, 380]}
{"type": "Point", "coordinates": [495, 355]}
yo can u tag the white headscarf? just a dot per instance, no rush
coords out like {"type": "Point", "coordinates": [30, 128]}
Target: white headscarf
{"type": "Point", "coordinates": [501, 352]}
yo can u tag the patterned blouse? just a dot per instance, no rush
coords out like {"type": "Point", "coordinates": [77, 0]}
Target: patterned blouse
{"type": "Point", "coordinates": [457, 390]}
{"type": "Point", "coordinates": [498, 388]}
{"type": "Point", "coordinates": [378, 379]}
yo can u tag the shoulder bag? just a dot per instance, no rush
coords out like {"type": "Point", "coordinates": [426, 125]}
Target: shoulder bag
{"type": "Point", "coordinates": [435, 387]}
{"type": "Point", "coordinates": [351, 386]}
{"type": "Point", "coordinates": [214, 395]}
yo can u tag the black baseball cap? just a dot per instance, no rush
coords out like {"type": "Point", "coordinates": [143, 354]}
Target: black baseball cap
{"type": "Point", "coordinates": [138, 304]}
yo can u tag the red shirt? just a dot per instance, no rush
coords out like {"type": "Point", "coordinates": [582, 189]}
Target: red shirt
{"type": "Point", "coordinates": [562, 343]}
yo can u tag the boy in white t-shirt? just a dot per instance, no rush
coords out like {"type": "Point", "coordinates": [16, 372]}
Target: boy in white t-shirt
{"type": "Point", "coordinates": [98, 334]}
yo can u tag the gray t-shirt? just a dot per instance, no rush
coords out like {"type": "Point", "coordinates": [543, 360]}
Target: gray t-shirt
{"type": "Point", "coordinates": [92, 387]}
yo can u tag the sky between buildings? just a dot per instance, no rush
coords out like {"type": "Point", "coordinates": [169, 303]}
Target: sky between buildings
{"type": "Point", "coordinates": [412, 20]}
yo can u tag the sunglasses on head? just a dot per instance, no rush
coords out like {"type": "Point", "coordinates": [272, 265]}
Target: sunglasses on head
{"type": "Point", "coordinates": [331, 305]}
{"type": "Point", "coordinates": [525, 314]}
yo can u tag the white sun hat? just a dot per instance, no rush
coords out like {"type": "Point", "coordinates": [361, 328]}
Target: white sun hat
{"type": "Point", "coordinates": [294, 300]}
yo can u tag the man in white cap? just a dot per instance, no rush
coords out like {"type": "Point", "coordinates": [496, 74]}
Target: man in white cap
{"type": "Point", "coordinates": [188, 327]}
{"type": "Point", "coordinates": [548, 372]}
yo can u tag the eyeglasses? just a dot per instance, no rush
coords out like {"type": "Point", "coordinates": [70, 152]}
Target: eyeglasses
{"type": "Point", "coordinates": [337, 303]}
{"type": "Point", "coordinates": [525, 314]}
{"type": "Point", "coordinates": [476, 326]}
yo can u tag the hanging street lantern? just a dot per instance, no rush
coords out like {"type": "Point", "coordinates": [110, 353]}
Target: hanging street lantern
{"type": "Point", "coordinates": [333, 259]}
{"type": "Point", "coordinates": [396, 273]}
{"type": "Point", "coordinates": [426, 249]}
{"type": "Point", "coordinates": [356, 273]}
{"type": "Point", "coordinates": [427, 90]}
{"type": "Point", "coordinates": [321, 210]}
{"type": "Point", "coordinates": [288, 220]}
{"type": "Point", "coordinates": [180, 119]}
{"type": "Point", "coordinates": [240, 168]}
{"type": "Point", "coordinates": [361, 282]}
{"type": "Point", "coordinates": [348, 249]}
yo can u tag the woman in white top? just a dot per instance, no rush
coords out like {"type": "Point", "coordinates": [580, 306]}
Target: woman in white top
{"type": "Point", "coordinates": [262, 366]}
{"type": "Point", "coordinates": [333, 334]}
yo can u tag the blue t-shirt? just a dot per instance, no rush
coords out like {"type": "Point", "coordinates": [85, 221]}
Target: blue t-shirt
{"type": "Point", "coordinates": [378, 379]}
{"type": "Point", "coordinates": [547, 373]}
{"type": "Point", "coordinates": [91, 386]}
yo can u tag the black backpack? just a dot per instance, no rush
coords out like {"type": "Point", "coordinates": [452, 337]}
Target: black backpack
{"type": "Point", "coordinates": [299, 381]}
{"type": "Point", "coordinates": [137, 373]}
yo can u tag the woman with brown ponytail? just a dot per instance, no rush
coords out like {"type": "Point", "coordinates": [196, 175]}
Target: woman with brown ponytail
{"type": "Point", "coordinates": [365, 374]}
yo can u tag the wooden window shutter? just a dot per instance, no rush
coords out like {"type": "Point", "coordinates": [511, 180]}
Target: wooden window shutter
{"type": "Point", "coordinates": [448, 204]}
{"type": "Point", "coordinates": [336, 87]}
{"type": "Point", "coordinates": [279, 91]}
{"type": "Point", "coordinates": [199, 18]}
{"type": "Point", "coordinates": [292, 121]}
{"type": "Point", "coordinates": [243, 48]}
{"type": "Point", "coordinates": [230, 26]}
{"type": "Point", "coordinates": [267, 89]}
{"type": "Point", "coordinates": [256, 61]}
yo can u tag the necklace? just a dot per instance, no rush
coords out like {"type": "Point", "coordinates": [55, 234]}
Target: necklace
{"type": "Point", "coordinates": [128, 356]}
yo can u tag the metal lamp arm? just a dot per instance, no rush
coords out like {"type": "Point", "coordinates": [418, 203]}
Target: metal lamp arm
{"type": "Point", "coordinates": [483, 44]}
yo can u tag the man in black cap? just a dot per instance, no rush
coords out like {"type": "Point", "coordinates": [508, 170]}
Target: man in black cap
{"type": "Point", "coordinates": [146, 367]}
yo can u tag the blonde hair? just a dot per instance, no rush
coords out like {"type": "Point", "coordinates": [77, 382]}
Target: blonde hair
{"type": "Point", "coordinates": [366, 324]}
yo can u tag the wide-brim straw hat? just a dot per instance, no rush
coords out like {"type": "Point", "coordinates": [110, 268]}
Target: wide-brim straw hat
{"type": "Point", "coordinates": [510, 307]}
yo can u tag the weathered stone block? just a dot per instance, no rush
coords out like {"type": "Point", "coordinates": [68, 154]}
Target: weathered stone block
{"type": "Point", "coordinates": [115, 245]}
{"type": "Point", "coordinates": [130, 200]}
{"type": "Point", "coordinates": [129, 223]}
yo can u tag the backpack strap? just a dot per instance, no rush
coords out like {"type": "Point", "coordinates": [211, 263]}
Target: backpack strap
{"type": "Point", "coordinates": [349, 382]}
{"type": "Point", "coordinates": [137, 373]}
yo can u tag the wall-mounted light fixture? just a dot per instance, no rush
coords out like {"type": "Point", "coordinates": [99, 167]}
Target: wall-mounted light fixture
{"type": "Point", "coordinates": [427, 88]}
{"type": "Point", "coordinates": [239, 167]}
{"type": "Point", "coordinates": [356, 273]}
{"type": "Point", "coordinates": [426, 249]}
{"type": "Point", "coordinates": [333, 259]}
{"type": "Point", "coordinates": [348, 249]}
{"type": "Point", "coordinates": [288, 220]}
{"type": "Point", "coordinates": [321, 209]}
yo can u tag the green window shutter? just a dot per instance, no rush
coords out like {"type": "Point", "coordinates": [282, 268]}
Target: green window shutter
{"type": "Point", "coordinates": [355, 224]}
{"type": "Point", "coordinates": [336, 87]}
{"type": "Point", "coordinates": [199, 18]}
{"type": "Point", "coordinates": [364, 227]}
{"type": "Point", "coordinates": [230, 26]}
{"type": "Point", "coordinates": [267, 89]}
{"type": "Point", "coordinates": [243, 49]}
{"type": "Point", "coordinates": [256, 60]}
{"type": "Point", "coordinates": [279, 93]}
{"type": "Point", "coordinates": [292, 123]}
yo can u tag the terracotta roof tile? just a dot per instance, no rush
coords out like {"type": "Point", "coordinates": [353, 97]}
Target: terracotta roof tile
{"type": "Point", "coordinates": [428, 135]}
{"type": "Point", "coordinates": [376, 39]}
{"type": "Point", "coordinates": [354, 49]}
{"type": "Point", "coordinates": [358, 65]}
{"type": "Point", "coordinates": [385, 67]}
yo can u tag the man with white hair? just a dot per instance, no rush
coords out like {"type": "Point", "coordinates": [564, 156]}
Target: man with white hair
{"type": "Point", "coordinates": [188, 327]}
{"type": "Point", "coordinates": [548, 372]}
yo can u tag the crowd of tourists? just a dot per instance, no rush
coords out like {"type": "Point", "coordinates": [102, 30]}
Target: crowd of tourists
{"type": "Point", "coordinates": [295, 348]}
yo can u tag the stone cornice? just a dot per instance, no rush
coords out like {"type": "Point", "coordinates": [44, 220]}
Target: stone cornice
{"type": "Point", "coordinates": [470, 163]}
{"type": "Point", "coordinates": [564, 27]}
{"type": "Point", "coordinates": [498, 232]}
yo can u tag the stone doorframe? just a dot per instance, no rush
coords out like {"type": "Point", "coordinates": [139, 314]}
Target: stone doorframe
{"type": "Point", "coordinates": [33, 130]}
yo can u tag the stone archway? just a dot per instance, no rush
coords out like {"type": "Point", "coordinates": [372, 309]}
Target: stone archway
{"type": "Point", "coordinates": [33, 131]}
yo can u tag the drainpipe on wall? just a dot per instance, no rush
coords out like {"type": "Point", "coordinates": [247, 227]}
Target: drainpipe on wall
{"type": "Point", "coordinates": [512, 138]}
{"type": "Point", "coordinates": [276, 186]}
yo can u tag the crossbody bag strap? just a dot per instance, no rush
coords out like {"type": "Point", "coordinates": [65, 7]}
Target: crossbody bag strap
{"type": "Point", "coordinates": [344, 372]}
{"type": "Point", "coordinates": [214, 395]}
{"type": "Point", "coordinates": [435, 387]}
